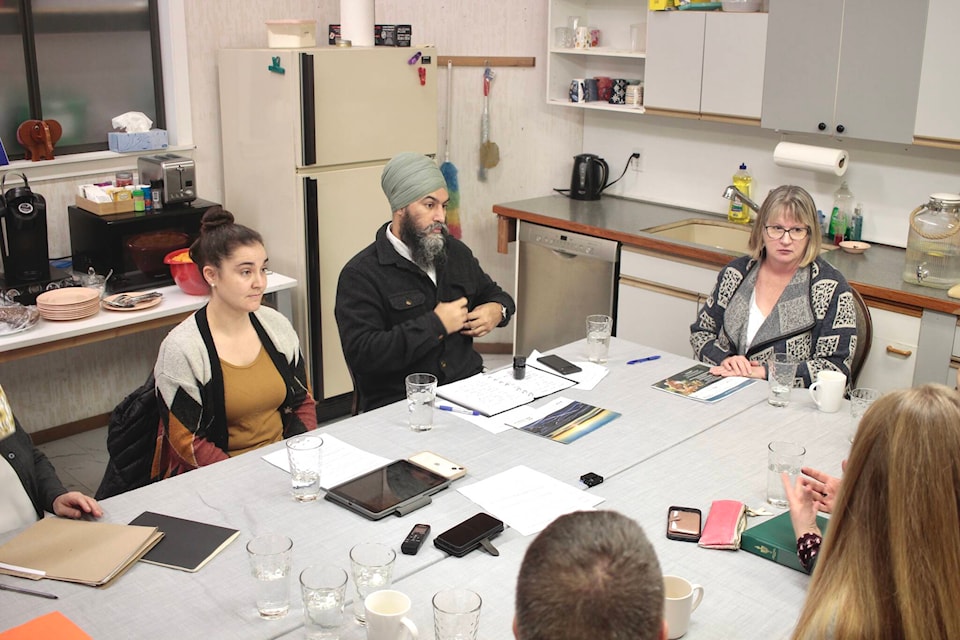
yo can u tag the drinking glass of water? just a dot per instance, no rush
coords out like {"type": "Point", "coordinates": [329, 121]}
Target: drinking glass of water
{"type": "Point", "coordinates": [372, 567]}
{"type": "Point", "coordinates": [270, 557]}
{"type": "Point", "coordinates": [782, 457]}
{"type": "Point", "coordinates": [303, 454]}
{"type": "Point", "coordinates": [421, 392]}
{"type": "Point", "coordinates": [781, 371]}
{"type": "Point", "coordinates": [599, 327]}
{"type": "Point", "coordinates": [323, 589]}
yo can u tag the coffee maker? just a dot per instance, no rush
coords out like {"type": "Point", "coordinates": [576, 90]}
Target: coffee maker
{"type": "Point", "coordinates": [23, 235]}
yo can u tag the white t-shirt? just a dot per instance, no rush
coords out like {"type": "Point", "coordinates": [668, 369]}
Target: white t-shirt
{"type": "Point", "coordinates": [755, 320]}
{"type": "Point", "coordinates": [16, 510]}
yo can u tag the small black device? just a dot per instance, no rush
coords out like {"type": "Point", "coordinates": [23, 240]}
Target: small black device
{"type": "Point", "coordinates": [683, 523]}
{"type": "Point", "coordinates": [470, 534]}
{"type": "Point", "coordinates": [559, 365]}
{"type": "Point", "coordinates": [23, 234]}
{"type": "Point", "coordinates": [411, 544]}
{"type": "Point", "coordinates": [519, 367]}
{"type": "Point", "coordinates": [591, 479]}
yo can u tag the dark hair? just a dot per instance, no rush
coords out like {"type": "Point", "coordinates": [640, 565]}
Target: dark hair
{"type": "Point", "coordinates": [219, 237]}
{"type": "Point", "coordinates": [590, 574]}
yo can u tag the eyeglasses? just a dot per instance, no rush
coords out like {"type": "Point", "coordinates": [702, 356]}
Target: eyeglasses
{"type": "Point", "coordinates": [775, 232]}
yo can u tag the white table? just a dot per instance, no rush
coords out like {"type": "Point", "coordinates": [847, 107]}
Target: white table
{"type": "Point", "coordinates": [49, 335]}
{"type": "Point", "coordinates": [663, 450]}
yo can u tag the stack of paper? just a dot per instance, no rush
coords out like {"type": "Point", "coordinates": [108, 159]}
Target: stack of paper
{"type": "Point", "coordinates": [91, 553]}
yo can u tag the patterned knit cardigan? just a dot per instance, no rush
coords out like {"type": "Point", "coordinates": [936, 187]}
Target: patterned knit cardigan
{"type": "Point", "coordinates": [814, 320]}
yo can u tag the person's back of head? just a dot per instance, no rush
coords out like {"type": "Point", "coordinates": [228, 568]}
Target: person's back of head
{"type": "Point", "coordinates": [890, 564]}
{"type": "Point", "coordinates": [590, 575]}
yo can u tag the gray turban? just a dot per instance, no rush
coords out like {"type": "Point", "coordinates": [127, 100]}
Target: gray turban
{"type": "Point", "coordinates": [408, 177]}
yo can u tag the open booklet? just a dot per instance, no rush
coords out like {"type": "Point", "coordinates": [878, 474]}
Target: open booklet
{"type": "Point", "coordinates": [498, 391]}
{"type": "Point", "coordinates": [699, 384]}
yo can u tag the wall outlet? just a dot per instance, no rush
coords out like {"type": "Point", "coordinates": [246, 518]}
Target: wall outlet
{"type": "Point", "coordinates": [636, 163]}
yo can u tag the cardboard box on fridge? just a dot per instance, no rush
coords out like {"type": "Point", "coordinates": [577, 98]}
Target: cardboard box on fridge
{"type": "Point", "coordinates": [121, 142]}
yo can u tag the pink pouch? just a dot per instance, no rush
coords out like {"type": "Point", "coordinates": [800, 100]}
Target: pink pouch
{"type": "Point", "coordinates": [725, 522]}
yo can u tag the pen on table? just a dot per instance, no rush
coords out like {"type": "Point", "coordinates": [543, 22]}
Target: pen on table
{"type": "Point", "coordinates": [647, 359]}
{"type": "Point", "coordinates": [29, 592]}
{"type": "Point", "coordinates": [469, 412]}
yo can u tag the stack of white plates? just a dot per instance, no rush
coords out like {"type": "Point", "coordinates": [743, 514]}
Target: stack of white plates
{"type": "Point", "coordinates": [71, 303]}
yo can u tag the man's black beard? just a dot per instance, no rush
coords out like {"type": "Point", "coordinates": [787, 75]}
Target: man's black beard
{"type": "Point", "coordinates": [426, 247]}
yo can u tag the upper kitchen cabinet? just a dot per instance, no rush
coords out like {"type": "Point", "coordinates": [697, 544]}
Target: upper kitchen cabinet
{"type": "Point", "coordinates": [613, 58]}
{"type": "Point", "coordinates": [706, 63]}
{"type": "Point", "coordinates": [937, 114]}
{"type": "Point", "coordinates": [848, 68]}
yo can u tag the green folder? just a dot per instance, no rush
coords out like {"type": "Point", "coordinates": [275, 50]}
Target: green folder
{"type": "Point", "coordinates": [775, 540]}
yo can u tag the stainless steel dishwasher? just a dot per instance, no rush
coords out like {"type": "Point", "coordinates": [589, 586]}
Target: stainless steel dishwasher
{"type": "Point", "coordinates": [562, 277]}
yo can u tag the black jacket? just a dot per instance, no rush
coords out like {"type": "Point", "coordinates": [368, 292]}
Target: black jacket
{"type": "Point", "coordinates": [387, 325]}
{"type": "Point", "coordinates": [37, 475]}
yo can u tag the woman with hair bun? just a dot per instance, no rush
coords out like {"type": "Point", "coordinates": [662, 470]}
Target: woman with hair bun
{"type": "Point", "coordinates": [230, 378]}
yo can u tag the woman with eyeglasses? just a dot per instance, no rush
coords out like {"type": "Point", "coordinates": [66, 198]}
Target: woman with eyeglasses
{"type": "Point", "coordinates": [782, 298]}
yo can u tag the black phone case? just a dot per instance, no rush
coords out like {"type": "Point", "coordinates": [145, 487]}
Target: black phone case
{"type": "Point", "coordinates": [441, 542]}
{"type": "Point", "coordinates": [559, 365]}
{"type": "Point", "coordinates": [685, 537]}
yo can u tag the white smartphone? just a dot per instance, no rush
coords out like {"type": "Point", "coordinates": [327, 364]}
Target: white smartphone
{"type": "Point", "coordinates": [438, 464]}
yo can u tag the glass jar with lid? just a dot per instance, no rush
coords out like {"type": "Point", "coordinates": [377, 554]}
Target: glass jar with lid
{"type": "Point", "coordinates": [933, 244]}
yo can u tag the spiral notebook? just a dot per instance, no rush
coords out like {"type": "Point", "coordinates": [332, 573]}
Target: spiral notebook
{"type": "Point", "coordinates": [499, 391]}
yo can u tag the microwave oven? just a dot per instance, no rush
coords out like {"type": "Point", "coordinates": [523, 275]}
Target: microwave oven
{"type": "Point", "coordinates": [101, 241]}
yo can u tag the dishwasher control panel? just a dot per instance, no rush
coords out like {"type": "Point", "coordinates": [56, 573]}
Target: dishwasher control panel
{"type": "Point", "coordinates": [573, 243]}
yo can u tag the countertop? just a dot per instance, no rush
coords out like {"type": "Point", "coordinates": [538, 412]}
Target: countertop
{"type": "Point", "coordinates": [876, 274]}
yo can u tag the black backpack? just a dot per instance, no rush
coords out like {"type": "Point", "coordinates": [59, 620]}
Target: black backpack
{"type": "Point", "coordinates": [131, 440]}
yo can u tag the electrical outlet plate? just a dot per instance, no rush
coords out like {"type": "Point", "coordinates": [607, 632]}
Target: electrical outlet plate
{"type": "Point", "coordinates": [637, 163]}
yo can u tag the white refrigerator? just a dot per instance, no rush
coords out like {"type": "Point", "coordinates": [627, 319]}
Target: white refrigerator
{"type": "Point", "coordinates": [305, 134]}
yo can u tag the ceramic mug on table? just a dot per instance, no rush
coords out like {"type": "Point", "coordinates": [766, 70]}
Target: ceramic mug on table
{"type": "Point", "coordinates": [387, 616]}
{"type": "Point", "coordinates": [827, 391]}
{"type": "Point", "coordinates": [681, 599]}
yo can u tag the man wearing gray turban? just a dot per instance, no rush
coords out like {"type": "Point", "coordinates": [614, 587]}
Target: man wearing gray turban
{"type": "Point", "coordinates": [414, 300]}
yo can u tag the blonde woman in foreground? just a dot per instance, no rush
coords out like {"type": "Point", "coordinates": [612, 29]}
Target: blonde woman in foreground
{"type": "Point", "coordinates": [890, 563]}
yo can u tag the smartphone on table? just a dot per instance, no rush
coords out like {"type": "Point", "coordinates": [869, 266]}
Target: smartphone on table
{"type": "Point", "coordinates": [559, 365]}
{"type": "Point", "coordinates": [684, 523]}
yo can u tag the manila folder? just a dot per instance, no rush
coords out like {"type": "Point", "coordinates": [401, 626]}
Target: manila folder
{"type": "Point", "coordinates": [90, 553]}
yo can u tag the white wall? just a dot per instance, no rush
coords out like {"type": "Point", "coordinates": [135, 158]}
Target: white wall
{"type": "Point", "coordinates": [689, 162]}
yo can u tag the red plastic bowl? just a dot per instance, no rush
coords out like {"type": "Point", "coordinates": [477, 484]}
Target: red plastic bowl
{"type": "Point", "coordinates": [186, 274]}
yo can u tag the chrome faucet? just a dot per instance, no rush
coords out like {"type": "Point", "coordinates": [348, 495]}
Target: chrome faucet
{"type": "Point", "coordinates": [732, 193]}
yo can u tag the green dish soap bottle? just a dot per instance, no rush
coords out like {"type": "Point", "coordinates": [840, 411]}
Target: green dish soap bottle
{"type": "Point", "coordinates": [842, 213]}
{"type": "Point", "coordinates": [739, 212]}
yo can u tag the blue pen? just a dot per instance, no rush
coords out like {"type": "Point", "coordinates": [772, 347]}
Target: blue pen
{"type": "Point", "coordinates": [647, 359]}
{"type": "Point", "coordinates": [469, 412]}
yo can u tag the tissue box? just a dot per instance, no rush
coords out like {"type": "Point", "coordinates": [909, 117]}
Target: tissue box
{"type": "Point", "coordinates": [143, 141]}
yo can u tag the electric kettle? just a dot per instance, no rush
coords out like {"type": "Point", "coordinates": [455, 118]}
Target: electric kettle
{"type": "Point", "coordinates": [589, 177]}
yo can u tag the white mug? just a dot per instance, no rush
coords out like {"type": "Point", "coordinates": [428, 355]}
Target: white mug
{"type": "Point", "coordinates": [682, 599]}
{"type": "Point", "coordinates": [827, 391]}
{"type": "Point", "coordinates": [386, 615]}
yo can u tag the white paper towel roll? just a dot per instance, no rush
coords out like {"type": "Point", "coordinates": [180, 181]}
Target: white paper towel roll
{"type": "Point", "coordinates": [805, 156]}
{"type": "Point", "coordinates": [356, 22]}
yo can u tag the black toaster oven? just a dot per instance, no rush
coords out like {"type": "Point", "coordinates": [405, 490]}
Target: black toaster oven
{"type": "Point", "coordinates": [104, 242]}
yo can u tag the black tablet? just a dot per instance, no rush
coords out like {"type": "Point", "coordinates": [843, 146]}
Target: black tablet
{"type": "Point", "coordinates": [399, 487]}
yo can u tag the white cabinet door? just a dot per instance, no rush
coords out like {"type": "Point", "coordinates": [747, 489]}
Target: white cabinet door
{"type": "Point", "coordinates": [655, 317]}
{"type": "Point", "coordinates": [733, 61]}
{"type": "Point", "coordinates": [893, 354]}
{"type": "Point", "coordinates": [847, 68]}
{"type": "Point", "coordinates": [937, 115]}
{"type": "Point", "coordinates": [674, 60]}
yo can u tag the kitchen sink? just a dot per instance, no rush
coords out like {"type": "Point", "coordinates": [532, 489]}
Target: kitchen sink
{"type": "Point", "coordinates": [712, 233]}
